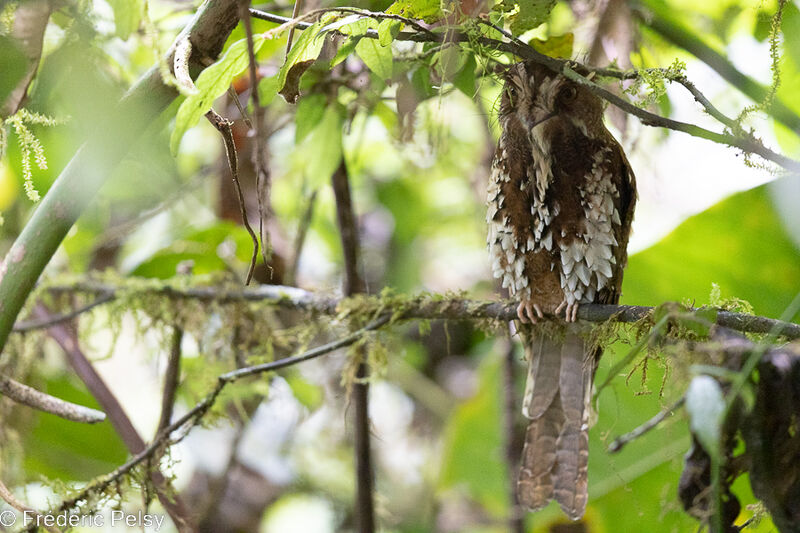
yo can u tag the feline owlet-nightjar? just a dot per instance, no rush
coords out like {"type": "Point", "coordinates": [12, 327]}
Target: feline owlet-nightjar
{"type": "Point", "coordinates": [560, 206]}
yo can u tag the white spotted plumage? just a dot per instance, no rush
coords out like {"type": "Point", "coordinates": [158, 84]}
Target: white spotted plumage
{"type": "Point", "coordinates": [560, 204]}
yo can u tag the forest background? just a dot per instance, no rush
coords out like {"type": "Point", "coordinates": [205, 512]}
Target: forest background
{"type": "Point", "coordinates": [361, 168]}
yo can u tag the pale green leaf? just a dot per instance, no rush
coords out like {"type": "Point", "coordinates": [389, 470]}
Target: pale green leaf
{"type": "Point", "coordinates": [388, 30]}
{"type": "Point", "coordinates": [377, 58]}
{"type": "Point", "coordinates": [345, 49]}
{"type": "Point", "coordinates": [790, 24]}
{"type": "Point", "coordinates": [14, 64]}
{"type": "Point", "coordinates": [267, 90]}
{"type": "Point", "coordinates": [127, 16]}
{"type": "Point", "coordinates": [353, 25]}
{"type": "Point", "coordinates": [528, 14]}
{"type": "Point", "coordinates": [306, 393]}
{"type": "Point", "coordinates": [428, 10]}
{"type": "Point", "coordinates": [310, 111]}
{"type": "Point", "coordinates": [472, 455]}
{"type": "Point", "coordinates": [304, 52]}
{"type": "Point", "coordinates": [449, 62]}
{"type": "Point", "coordinates": [706, 407]}
{"type": "Point", "coordinates": [211, 84]}
{"type": "Point", "coordinates": [555, 45]}
{"type": "Point", "coordinates": [464, 80]}
{"type": "Point", "coordinates": [325, 143]}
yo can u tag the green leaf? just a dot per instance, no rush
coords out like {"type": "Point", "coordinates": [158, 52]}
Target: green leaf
{"type": "Point", "coordinates": [766, 272]}
{"type": "Point", "coordinates": [421, 81]}
{"type": "Point", "coordinates": [60, 449]}
{"type": "Point", "coordinates": [472, 459]}
{"type": "Point", "coordinates": [377, 58]}
{"type": "Point", "coordinates": [388, 30]}
{"type": "Point", "coordinates": [303, 54]}
{"type": "Point", "coordinates": [306, 393]}
{"type": "Point", "coordinates": [428, 10]}
{"type": "Point", "coordinates": [345, 49]}
{"type": "Point", "coordinates": [704, 318]}
{"type": "Point", "coordinates": [127, 16]}
{"type": "Point", "coordinates": [464, 80]}
{"type": "Point", "coordinates": [211, 84]}
{"type": "Point", "coordinates": [449, 62]}
{"type": "Point", "coordinates": [202, 248]}
{"type": "Point", "coordinates": [790, 26]}
{"type": "Point", "coordinates": [353, 25]}
{"type": "Point", "coordinates": [667, 309]}
{"type": "Point", "coordinates": [555, 45]}
{"type": "Point", "coordinates": [386, 115]}
{"type": "Point", "coordinates": [325, 142]}
{"type": "Point", "coordinates": [529, 14]}
{"type": "Point", "coordinates": [310, 110]}
{"type": "Point", "coordinates": [13, 64]}
{"type": "Point", "coordinates": [268, 89]}
{"type": "Point", "coordinates": [706, 407]}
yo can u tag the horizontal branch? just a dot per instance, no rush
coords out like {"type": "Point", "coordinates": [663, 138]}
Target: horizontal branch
{"type": "Point", "coordinates": [40, 401]}
{"type": "Point", "coordinates": [423, 307]}
{"type": "Point", "coordinates": [52, 320]}
{"type": "Point", "coordinates": [420, 307]}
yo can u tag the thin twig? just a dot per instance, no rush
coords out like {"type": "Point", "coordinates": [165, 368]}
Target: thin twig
{"type": "Point", "coordinates": [40, 401]}
{"type": "Point", "coordinates": [746, 144]}
{"type": "Point", "coordinates": [699, 97]}
{"type": "Point", "coordinates": [419, 307]}
{"type": "Point", "coordinates": [295, 13]}
{"type": "Point", "coordinates": [51, 320]}
{"type": "Point", "coordinates": [242, 111]}
{"type": "Point", "coordinates": [180, 66]}
{"type": "Point", "coordinates": [354, 284]}
{"type": "Point", "coordinates": [622, 440]}
{"type": "Point", "coordinates": [263, 184]}
{"type": "Point", "coordinates": [171, 378]}
{"type": "Point", "coordinates": [224, 126]}
{"type": "Point", "coordinates": [300, 238]}
{"type": "Point", "coordinates": [240, 373]}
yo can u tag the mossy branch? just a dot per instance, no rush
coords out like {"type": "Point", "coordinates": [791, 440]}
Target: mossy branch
{"type": "Point", "coordinates": [683, 38]}
{"type": "Point", "coordinates": [744, 141]}
{"type": "Point", "coordinates": [49, 404]}
{"type": "Point", "coordinates": [400, 307]}
{"type": "Point", "coordinates": [96, 160]}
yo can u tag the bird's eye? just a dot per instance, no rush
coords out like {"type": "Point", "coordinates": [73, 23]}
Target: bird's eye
{"type": "Point", "coordinates": [569, 93]}
{"type": "Point", "coordinates": [512, 91]}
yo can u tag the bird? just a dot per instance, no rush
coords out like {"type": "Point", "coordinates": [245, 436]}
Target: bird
{"type": "Point", "coordinates": [560, 203]}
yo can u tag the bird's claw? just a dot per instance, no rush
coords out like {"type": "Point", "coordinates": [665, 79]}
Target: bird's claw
{"type": "Point", "coordinates": [571, 313]}
{"type": "Point", "coordinates": [528, 311]}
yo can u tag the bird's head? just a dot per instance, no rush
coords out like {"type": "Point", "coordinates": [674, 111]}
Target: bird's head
{"type": "Point", "coordinates": [539, 97]}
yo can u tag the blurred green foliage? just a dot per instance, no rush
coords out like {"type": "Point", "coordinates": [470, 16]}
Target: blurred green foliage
{"type": "Point", "coordinates": [415, 128]}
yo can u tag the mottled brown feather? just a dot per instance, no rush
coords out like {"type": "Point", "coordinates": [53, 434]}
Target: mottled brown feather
{"type": "Point", "coordinates": [560, 207]}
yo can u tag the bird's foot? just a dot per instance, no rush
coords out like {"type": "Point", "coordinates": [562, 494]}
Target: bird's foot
{"type": "Point", "coordinates": [527, 311]}
{"type": "Point", "coordinates": [571, 313]}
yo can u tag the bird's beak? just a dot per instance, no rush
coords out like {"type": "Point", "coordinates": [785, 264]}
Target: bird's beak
{"type": "Point", "coordinates": [545, 119]}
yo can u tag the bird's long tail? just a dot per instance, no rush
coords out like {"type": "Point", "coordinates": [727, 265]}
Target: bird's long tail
{"type": "Point", "coordinates": [557, 402]}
